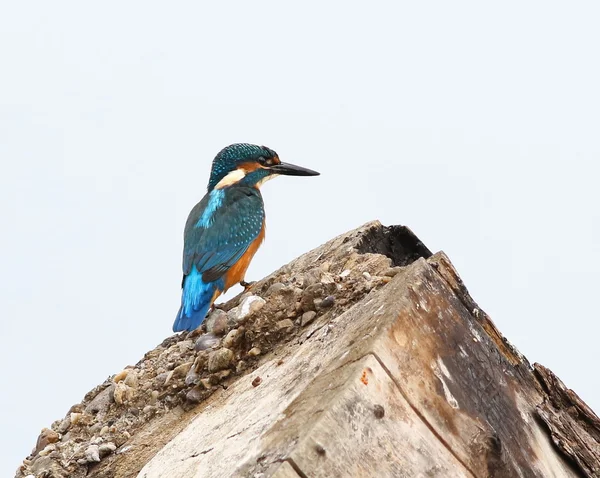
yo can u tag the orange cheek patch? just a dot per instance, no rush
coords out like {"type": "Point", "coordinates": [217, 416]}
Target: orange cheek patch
{"type": "Point", "coordinates": [249, 167]}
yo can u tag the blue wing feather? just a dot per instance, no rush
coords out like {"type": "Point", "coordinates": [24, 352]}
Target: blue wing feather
{"type": "Point", "coordinates": [219, 230]}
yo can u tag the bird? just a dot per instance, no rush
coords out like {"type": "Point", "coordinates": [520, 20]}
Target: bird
{"type": "Point", "coordinates": [225, 229]}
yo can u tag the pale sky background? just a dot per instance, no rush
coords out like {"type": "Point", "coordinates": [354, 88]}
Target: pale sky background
{"type": "Point", "coordinates": [476, 124]}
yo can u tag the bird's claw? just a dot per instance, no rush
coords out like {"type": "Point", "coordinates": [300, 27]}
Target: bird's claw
{"type": "Point", "coordinates": [246, 285]}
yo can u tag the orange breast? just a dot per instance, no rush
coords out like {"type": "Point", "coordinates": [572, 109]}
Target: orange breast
{"type": "Point", "coordinates": [238, 271]}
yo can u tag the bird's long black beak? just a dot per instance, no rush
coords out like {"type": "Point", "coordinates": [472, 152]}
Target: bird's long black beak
{"type": "Point", "coordinates": [292, 170]}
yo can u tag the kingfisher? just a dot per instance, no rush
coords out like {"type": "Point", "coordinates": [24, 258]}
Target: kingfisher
{"type": "Point", "coordinates": [226, 228]}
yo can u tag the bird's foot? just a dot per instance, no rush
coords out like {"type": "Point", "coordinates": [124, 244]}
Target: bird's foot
{"type": "Point", "coordinates": [247, 285]}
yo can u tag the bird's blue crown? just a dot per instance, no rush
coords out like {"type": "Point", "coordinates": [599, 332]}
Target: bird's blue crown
{"type": "Point", "coordinates": [230, 157]}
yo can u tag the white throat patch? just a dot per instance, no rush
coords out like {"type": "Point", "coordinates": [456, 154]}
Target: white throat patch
{"type": "Point", "coordinates": [231, 178]}
{"type": "Point", "coordinates": [265, 179]}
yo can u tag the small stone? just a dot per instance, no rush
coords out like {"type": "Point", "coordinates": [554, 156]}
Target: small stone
{"type": "Point", "coordinates": [104, 430]}
{"type": "Point", "coordinates": [232, 339]}
{"type": "Point", "coordinates": [219, 359]}
{"type": "Point", "coordinates": [185, 345]}
{"type": "Point", "coordinates": [216, 323]}
{"type": "Point", "coordinates": [254, 352]}
{"type": "Point", "coordinates": [205, 382]}
{"type": "Point", "coordinates": [64, 426]}
{"type": "Point", "coordinates": [275, 288]}
{"type": "Point", "coordinates": [106, 449]}
{"type": "Point", "coordinates": [154, 396]}
{"type": "Point", "coordinates": [232, 315]}
{"type": "Point", "coordinates": [256, 382]}
{"type": "Point", "coordinates": [310, 295]}
{"type": "Point", "coordinates": [325, 266]}
{"type": "Point", "coordinates": [95, 428]}
{"type": "Point", "coordinates": [92, 454]}
{"type": "Point", "coordinates": [284, 325]}
{"type": "Point", "coordinates": [366, 275]}
{"type": "Point", "coordinates": [75, 418]}
{"type": "Point", "coordinates": [149, 410]}
{"type": "Point", "coordinates": [181, 370]}
{"type": "Point", "coordinates": [379, 411]}
{"type": "Point", "coordinates": [46, 437]}
{"type": "Point", "coordinates": [48, 449]}
{"type": "Point", "coordinates": [223, 374]}
{"type": "Point", "coordinates": [206, 341]}
{"type": "Point", "coordinates": [327, 302]}
{"type": "Point", "coordinates": [123, 393]}
{"type": "Point", "coordinates": [241, 366]}
{"type": "Point", "coordinates": [122, 375]}
{"type": "Point", "coordinates": [345, 273]}
{"type": "Point", "coordinates": [250, 305]}
{"type": "Point", "coordinates": [308, 317]}
{"type": "Point", "coordinates": [132, 379]}
{"type": "Point", "coordinates": [195, 395]}
{"type": "Point", "coordinates": [101, 401]}
{"type": "Point", "coordinates": [192, 377]}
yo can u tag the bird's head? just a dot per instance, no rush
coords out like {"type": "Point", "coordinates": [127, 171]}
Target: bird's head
{"type": "Point", "coordinates": [250, 165]}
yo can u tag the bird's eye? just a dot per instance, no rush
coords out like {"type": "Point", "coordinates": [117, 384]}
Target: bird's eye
{"type": "Point", "coordinates": [264, 161]}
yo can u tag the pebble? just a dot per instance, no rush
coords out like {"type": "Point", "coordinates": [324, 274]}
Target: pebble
{"type": "Point", "coordinates": [185, 345]}
{"type": "Point", "coordinates": [308, 317]}
{"type": "Point", "coordinates": [192, 377]}
{"type": "Point", "coordinates": [241, 366]}
{"type": "Point", "coordinates": [75, 418]}
{"type": "Point", "coordinates": [92, 454]}
{"type": "Point", "coordinates": [233, 338]}
{"type": "Point", "coordinates": [220, 359]}
{"type": "Point", "coordinates": [217, 322]}
{"type": "Point", "coordinates": [366, 275]}
{"type": "Point", "coordinates": [131, 380]}
{"type": "Point", "coordinates": [123, 393]}
{"type": "Point", "coordinates": [256, 382]}
{"type": "Point", "coordinates": [195, 395]}
{"type": "Point", "coordinates": [46, 437]}
{"type": "Point", "coordinates": [206, 342]}
{"type": "Point", "coordinates": [275, 288]}
{"type": "Point", "coordinates": [309, 295]}
{"type": "Point", "coordinates": [64, 426]}
{"type": "Point", "coordinates": [101, 401]}
{"type": "Point", "coordinates": [254, 351]}
{"type": "Point", "coordinates": [178, 372]}
{"type": "Point", "coordinates": [121, 376]}
{"type": "Point", "coordinates": [104, 430]}
{"type": "Point", "coordinates": [327, 302]}
{"type": "Point", "coordinates": [232, 316]}
{"type": "Point", "coordinates": [106, 449]}
{"type": "Point", "coordinates": [250, 305]}
{"type": "Point", "coordinates": [153, 396]}
{"type": "Point", "coordinates": [345, 273]}
{"type": "Point", "coordinates": [284, 325]}
{"type": "Point", "coordinates": [48, 449]}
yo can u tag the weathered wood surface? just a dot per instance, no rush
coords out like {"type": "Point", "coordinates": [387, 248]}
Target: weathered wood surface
{"type": "Point", "coordinates": [405, 383]}
{"type": "Point", "coordinates": [404, 376]}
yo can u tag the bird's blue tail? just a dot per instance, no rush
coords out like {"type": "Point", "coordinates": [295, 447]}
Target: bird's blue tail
{"type": "Point", "coordinates": [196, 299]}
